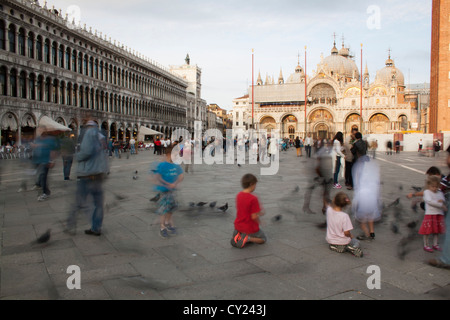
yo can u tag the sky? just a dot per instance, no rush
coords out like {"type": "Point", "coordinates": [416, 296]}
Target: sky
{"type": "Point", "coordinates": [219, 36]}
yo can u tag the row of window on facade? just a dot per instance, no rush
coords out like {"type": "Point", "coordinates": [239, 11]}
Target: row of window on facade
{"type": "Point", "coordinates": [69, 59]}
{"type": "Point", "coordinates": [32, 87]}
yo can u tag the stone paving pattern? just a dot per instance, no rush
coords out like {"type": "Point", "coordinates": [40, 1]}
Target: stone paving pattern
{"type": "Point", "coordinates": [131, 261]}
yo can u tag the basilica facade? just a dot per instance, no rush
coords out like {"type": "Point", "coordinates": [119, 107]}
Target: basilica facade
{"type": "Point", "coordinates": [49, 66]}
{"type": "Point", "coordinates": [333, 100]}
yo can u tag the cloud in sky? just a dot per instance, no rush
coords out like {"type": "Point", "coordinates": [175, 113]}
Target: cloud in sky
{"type": "Point", "coordinates": [219, 35]}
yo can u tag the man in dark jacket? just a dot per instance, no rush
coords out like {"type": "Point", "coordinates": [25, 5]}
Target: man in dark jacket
{"type": "Point", "coordinates": [359, 146]}
{"type": "Point", "coordinates": [92, 167]}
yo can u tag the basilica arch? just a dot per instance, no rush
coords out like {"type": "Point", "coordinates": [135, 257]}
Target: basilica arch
{"type": "Point", "coordinates": [379, 123]}
{"type": "Point", "coordinates": [323, 91]}
{"type": "Point", "coordinates": [321, 123]}
{"type": "Point", "coordinates": [353, 121]}
{"type": "Point", "coordinates": [289, 126]}
{"type": "Point", "coordinates": [268, 123]}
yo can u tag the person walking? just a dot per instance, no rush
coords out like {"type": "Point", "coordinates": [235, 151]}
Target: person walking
{"type": "Point", "coordinates": [133, 145]}
{"type": "Point", "coordinates": [167, 177]}
{"type": "Point", "coordinates": [298, 146]}
{"type": "Point", "coordinates": [366, 178]}
{"type": "Point", "coordinates": [91, 171]}
{"type": "Point", "coordinates": [67, 152]}
{"type": "Point", "coordinates": [389, 148]}
{"type": "Point", "coordinates": [308, 145]}
{"type": "Point", "coordinates": [44, 152]}
{"type": "Point", "coordinates": [338, 142]}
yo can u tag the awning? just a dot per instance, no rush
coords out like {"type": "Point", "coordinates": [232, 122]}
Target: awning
{"type": "Point", "coordinates": [51, 125]}
{"type": "Point", "coordinates": [144, 131]}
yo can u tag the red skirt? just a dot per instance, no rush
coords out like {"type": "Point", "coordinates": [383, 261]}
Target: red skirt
{"type": "Point", "coordinates": [432, 224]}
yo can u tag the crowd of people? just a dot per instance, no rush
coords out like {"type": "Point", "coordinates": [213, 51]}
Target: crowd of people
{"type": "Point", "coordinates": [338, 159]}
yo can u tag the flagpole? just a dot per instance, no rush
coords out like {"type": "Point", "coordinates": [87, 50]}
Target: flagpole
{"type": "Point", "coordinates": [361, 101]}
{"type": "Point", "coordinates": [306, 98]}
{"type": "Point", "coordinates": [253, 88]}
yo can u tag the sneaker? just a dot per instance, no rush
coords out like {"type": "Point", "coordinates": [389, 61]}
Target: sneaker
{"type": "Point", "coordinates": [337, 186]}
{"type": "Point", "coordinates": [42, 197]}
{"type": "Point", "coordinates": [437, 248]}
{"type": "Point", "coordinates": [35, 187]}
{"type": "Point", "coordinates": [428, 249]}
{"type": "Point", "coordinates": [92, 232]}
{"type": "Point", "coordinates": [363, 237]}
{"type": "Point", "coordinates": [242, 241]}
{"type": "Point", "coordinates": [372, 236]}
{"type": "Point", "coordinates": [239, 239]}
{"type": "Point", "coordinates": [171, 230]}
{"type": "Point", "coordinates": [164, 234]}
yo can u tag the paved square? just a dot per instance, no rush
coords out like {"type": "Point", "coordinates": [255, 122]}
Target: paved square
{"type": "Point", "coordinates": [131, 261]}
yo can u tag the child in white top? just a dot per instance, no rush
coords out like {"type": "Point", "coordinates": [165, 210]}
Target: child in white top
{"type": "Point", "coordinates": [339, 227]}
{"type": "Point", "coordinates": [433, 222]}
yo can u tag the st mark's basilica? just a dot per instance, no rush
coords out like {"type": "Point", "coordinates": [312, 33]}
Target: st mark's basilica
{"type": "Point", "coordinates": [333, 96]}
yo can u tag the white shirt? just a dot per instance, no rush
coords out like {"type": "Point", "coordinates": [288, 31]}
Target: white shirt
{"type": "Point", "coordinates": [308, 141]}
{"type": "Point", "coordinates": [432, 206]}
{"type": "Point", "coordinates": [337, 148]}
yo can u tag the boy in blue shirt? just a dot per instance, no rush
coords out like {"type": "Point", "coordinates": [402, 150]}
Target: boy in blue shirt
{"type": "Point", "coordinates": [168, 176]}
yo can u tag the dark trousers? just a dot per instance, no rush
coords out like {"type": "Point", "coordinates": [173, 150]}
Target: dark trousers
{"type": "Point", "coordinates": [88, 186]}
{"type": "Point", "coordinates": [42, 177]}
{"type": "Point", "coordinates": [348, 173]}
{"type": "Point", "coordinates": [67, 166]}
{"type": "Point", "coordinates": [308, 151]}
{"type": "Point", "coordinates": [337, 169]}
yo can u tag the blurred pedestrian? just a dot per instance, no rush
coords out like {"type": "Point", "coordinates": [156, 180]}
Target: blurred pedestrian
{"type": "Point", "coordinates": [298, 143]}
{"type": "Point", "coordinates": [67, 152]}
{"type": "Point", "coordinates": [366, 200]}
{"type": "Point", "coordinates": [167, 177]}
{"type": "Point", "coordinates": [44, 152]}
{"type": "Point", "coordinates": [308, 144]}
{"type": "Point", "coordinates": [132, 145]}
{"type": "Point", "coordinates": [389, 148]}
{"type": "Point", "coordinates": [92, 167]}
{"type": "Point", "coordinates": [323, 179]}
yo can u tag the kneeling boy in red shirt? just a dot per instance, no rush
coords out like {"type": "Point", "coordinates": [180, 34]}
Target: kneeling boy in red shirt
{"type": "Point", "coordinates": [247, 217]}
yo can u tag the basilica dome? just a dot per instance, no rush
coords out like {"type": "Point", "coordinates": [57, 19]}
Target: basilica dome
{"type": "Point", "coordinates": [297, 76]}
{"type": "Point", "coordinates": [339, 63]}
{"type": "Point", "coordinates": [389, 73]}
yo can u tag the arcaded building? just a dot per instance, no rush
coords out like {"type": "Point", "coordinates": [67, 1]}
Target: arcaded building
{"type": "Point", "coordinates": [333, 95]}
{"type": "Point", "coordinates": [50, 66]}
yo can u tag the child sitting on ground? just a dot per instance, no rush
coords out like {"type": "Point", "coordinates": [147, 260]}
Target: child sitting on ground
{"type": "Point", "coordinates": [247, 220]}
{"type": "Point", "coordinates": [339, 226]}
